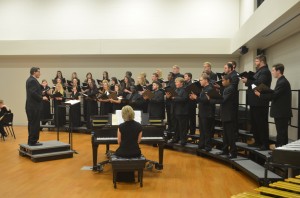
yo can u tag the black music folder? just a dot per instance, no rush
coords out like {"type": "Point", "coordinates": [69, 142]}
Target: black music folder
{"type": "Point", "coordinates": [148, 87]}
{"type": "Point", "coordinates": [103, 96]}
{"type": "Point", "coordinates": [262, 88]}
{"type": "Point", "coordinates": [220, 75]}
{"type": "Point", "coordinates": [248, 75]}
{"type": "Point", "coordinates": [214, 94]}
{"type": "Point", "coordinates": [171, 91]}
{"type": "Point", "coordinates": [99, 81]}
{"type": "Point", "coordinates": [54, 81]}
{"type": "Point", "coordinates": [139, 88]}
{"type": "Point", "coordinates": [57, 95]}
{"type": "Point", "coordinates": [148, 94]}
{"type": "Point", "coordinates": [69, 88]}
{"type": "Point", "coordinates": [194, 88]}
{"type": "Point", "coordinates": [219, 82]}
{"type": "Point", "coordinates": [113, 95]}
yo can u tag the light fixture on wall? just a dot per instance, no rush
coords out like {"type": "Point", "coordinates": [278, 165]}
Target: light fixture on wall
{"type": "Point", "coordinates": [243, 50]}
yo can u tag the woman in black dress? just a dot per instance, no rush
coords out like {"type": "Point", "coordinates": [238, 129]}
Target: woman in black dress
{"type": "Point", "coordinates": [46, 113]}
{"type": "Point", "coordinates": [105, 104]}
{"type": "Point", "coordinates": [60, 76]}
{"type": "Point", "coordinates": [76, 113]}
{"type": "Point", "coordinates": [117, 104]}
{"type": "Point", "coordinates": [91, 101]}
{"type": "Point", "coordinates": [74, 76]}
{"type": "Point", "coordinates": [59, 112]}
{"type": "Point", "coordinates": [129, 135]}
{"type": "Point", "coordinates": [113, 82]}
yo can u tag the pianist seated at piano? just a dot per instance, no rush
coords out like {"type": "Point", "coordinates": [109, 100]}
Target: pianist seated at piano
{"type": "Point", "coordinates": [129, 135]}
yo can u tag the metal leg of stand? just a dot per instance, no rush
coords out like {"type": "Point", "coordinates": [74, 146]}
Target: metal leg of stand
{"type": "Point", "coordinates": [70, 130]}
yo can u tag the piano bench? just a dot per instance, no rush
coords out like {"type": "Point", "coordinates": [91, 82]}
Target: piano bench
{"type": "Point", "coordinates": [120, 164]}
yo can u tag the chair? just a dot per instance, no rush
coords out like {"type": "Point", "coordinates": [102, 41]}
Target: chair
{"type": "Point", "coordinates": [8, 124]}
{"type": "Point", "coordinates": [120, 164]}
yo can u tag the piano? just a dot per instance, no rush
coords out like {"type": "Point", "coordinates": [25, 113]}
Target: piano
{"type": "Point", "coordinates": [287, 154]}
{"type": "Point", "coordinates": [107, 134]}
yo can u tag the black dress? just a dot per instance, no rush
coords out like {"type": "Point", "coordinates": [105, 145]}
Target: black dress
{"type": "Point", "coordinates": [59, 112]}
{"type": "Point", "coordinates": [105, 107]}
{"type": "Point", "coordinates": [46, 113]}
{"type": "Point", "coordinates": [117, 106]}
{"type": "Point", "coordinates": [91, 105]}
{"type": "Point", "coordinates": [76, 113]}
{"type": "Point", "coordinates": [129, 146]}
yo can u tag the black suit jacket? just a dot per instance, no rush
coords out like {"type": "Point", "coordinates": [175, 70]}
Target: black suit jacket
{"type": "Point", "coordinates": [213, 77]}
{"type": "Point", "coordinates": [180, 103]}
{"type": "Point", "coordinates": [206, 107]}
{"type": "Point", "coordinates": [156, 106]}
{"type": "Point", "coordinates": [33, 94]}
{"type": "Point", "coordinates": [262, 75]}
{"type": "Point", "coordinates": [228, 104]}
{"type": "Point", "coordinates": [281, 99]}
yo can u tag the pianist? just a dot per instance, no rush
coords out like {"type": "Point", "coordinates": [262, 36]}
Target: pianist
{"type": "Point", "coordinates": [129, 135]}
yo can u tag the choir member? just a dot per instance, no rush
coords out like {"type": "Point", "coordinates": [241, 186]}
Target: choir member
{"type": "Point", "coordinates": [46, 111]}
{"type": "Point", "coordinates": [60, 76]}
{"type": "Point", "coordinates": [126, 84]}
{"type": "Point", "coordinates": [259, 108]}
{"type": "Point", "coordinates": [129, 75]}
{"type": "Point", "coordinates": [91, 101]}
{"type": "Point", "coordinates": [179, 109]}
{"type": "Point", "coordinates": [281, 105]}
{"type": "Point", "coordinates": [159, 73]}
{"type": "Point", "coordinates": [76, 109]}
{"type": "Point", "coordinates": [156, 105]}
{"type": "Point", "coordinates": [59, 113]}
{"type": "Point", "coordinates": [154, 78]}
{"type": "Point", "coordinates": [170, 119]}
{"type": "Point", "coordinates": [135, 99]}
{"type": "Point", "coordinates": [105, 76]}
{"type": "Point", "coordinates": [89, 76]}
{"type": "Point", "coordinates": [113, 82]}
{"type": "Point", "coordinates": [192, 106]}
{"type": "Point", "coordinates": [75, 76]}
{"type": "Point", "coordinates": [228, 117]}
{"type": "Point", "coordinates": [206, 113]}
{"type": "Point", "coordinates": [176, 71]}
{"type": "Point", "coordinates": [75, 83]}
{"type": "Point", "coordinates": [117, 104]}
{"type": "Point", "coordinates": [207, 69]}
{"type": "Point", "coordinates": [144, 75]}
{"type": "Point", "coordinates": [105, 104]}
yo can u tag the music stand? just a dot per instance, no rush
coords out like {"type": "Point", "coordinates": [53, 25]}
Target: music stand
{"type": "Point", "coordinates": [70, 104]}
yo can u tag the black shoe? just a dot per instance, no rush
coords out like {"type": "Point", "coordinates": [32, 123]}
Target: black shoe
{"type": "Point", "coordinates": [232, 156]}
{"type": "Point", "coordinates": [36, 144]}
{"type": "Point", "coordinates": [173, 141]}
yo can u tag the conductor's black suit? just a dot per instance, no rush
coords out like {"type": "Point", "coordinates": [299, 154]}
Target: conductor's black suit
{"type": "Point", "coordinates": [280, 108]}
{"type": "Point", "coordinates": [33, 108]}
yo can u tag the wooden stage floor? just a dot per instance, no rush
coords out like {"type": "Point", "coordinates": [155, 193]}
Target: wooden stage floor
{"type": "Point", "coordinates": [184, 175]}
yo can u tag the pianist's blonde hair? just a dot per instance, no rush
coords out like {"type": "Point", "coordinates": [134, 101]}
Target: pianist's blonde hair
{"type": "Point", "coordinates": [127, 113]}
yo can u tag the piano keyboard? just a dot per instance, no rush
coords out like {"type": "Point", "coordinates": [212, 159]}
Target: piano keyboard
{"type": "Point", "coordinates": [143, 138]}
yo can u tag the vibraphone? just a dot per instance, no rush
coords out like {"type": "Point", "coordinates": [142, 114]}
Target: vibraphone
{"type": "Point", "coordinates": [289, 188]}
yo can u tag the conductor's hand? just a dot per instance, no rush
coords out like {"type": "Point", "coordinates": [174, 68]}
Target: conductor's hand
{"type": "Point", "coordinates": [193, 96]}
{"type": "Point", "coordinates": [257, 93]}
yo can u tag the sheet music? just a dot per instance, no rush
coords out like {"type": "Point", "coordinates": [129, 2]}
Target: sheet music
{"type": "Point", "coordinates": [117, 118]}
{"type": "Point", "coordinates": [72, 102]}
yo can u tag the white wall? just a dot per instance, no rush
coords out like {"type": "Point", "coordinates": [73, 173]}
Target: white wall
{"type": "Point", "coordinates": [247, 8]}
{"type": "Point", "coordinates": [14, 70]}
{"type": "Point", "coordinates": [117, 19]}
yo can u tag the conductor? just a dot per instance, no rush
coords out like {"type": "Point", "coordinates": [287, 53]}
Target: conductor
{"type": "Point", "coordinates": [33, 106]}
{"type": "Point", "coordinates": [129, 135]}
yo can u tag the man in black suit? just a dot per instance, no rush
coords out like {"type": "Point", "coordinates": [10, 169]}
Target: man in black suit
{"type": "Point", "coordinates": [33, 106]}
{"type": "Point", "coordinates": [156, 105]}
{"type": "Point", "coordinates": [207, 69]}
{"type": "Point", "coordinates": [179, 108]}
{"type": "Point", "coordinates": [176, 71]}
{"type": "Point", "coordinates": [281, 104]}
{"type": "Point", "coordinates": [192, 106]}
{"type": "Point", "coordinates": [259, 108]}
{"type": "Point", "coordinates": [206, 113]}
{"type": "Point", "coordinates": [228, 117]}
